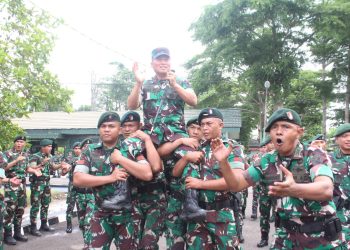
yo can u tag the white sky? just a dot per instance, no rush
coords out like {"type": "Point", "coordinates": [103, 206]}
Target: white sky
{"type": "Point", "coordinates": [130, 29]}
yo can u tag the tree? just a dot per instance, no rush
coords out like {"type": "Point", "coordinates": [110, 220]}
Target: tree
{"type": "Point", "coordinates": [25, 83]}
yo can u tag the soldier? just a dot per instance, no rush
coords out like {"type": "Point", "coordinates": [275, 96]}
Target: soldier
{"type": "Point", "coordinates": [218, 229]}
{"type": "Point", "coordinates": [266, 202]}
{"type": "Point", "coordinates": [14, 182]}
{"type": "Point", "coordinates": [178, 154]}
{"type": "Point", "coordinates": [72, 192]}
{"type": "Point", "coordinates": [105, 168]}
{"type": "Point", "coordinates": [256, 188]}
{"type": "Point", "coordinates": [163, 99]}
{"type": "Point", "coordinates": [15, 162]}
{"type": "Point", "coordinates": [319, 141]}
{"type": "Point", "coordinates": [306, 216]}
{"type": "Point", "coordinates": [340, 159]}
{"type": "Point", "coordinates": [40, 165]}
{"type": "Point", "coordinates": [148, 197]}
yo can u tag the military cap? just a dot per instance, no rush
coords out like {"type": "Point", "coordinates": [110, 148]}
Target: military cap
{"type": "Point", "coordinates": [108, 116]}
{"type": "Point", "coordinates": [130, 116]}
{"type": "Point", "coordinates": [20, 137]}
{"type": "Point", "coordinates": [318, 137]}
{"type": "Point", "coordinates": [46, 142]}
{"type": "Point", "coordinates": [342, 129]}
{"type": "Point", "coordinates": [192, 121]}
{"type": "Point", "coordinates": [157, 52]}
{"type": "Point", "coordinates": [85, 141]}
{"type": "Point", "coordinates": [265, 141]}
{"type": "Point", "coordinates": [283, 114]}
{"type": "Point", "coordinates": [209, 113]}
{"type": "Point", "coordinates": [76, 144]}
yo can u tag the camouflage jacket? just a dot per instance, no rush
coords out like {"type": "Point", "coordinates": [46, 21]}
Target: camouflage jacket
{"type": "Point", "coordinates": [95, 160]}
{"type": "Point", "coordinates": [340, 169]}
{"type": "Point", "coordinates": [36, 159]}
{"type": "Point", "coordinates": [157, 94]}
{"type": "Point", "coordinates": [209, 170]}
{"type": "Point", "coordinates": [305, 164]}
{"type": "Point", "coordinates": [20, 168]}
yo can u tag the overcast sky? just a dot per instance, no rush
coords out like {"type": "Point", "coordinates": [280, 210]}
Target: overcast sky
{"type": "Point", "coordinates": [96, 33]}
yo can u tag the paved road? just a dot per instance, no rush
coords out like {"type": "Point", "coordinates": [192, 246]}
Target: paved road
{"type": "Point", "coordinates": [61, 240]}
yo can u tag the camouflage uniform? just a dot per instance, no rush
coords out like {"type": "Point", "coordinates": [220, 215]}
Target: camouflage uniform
{"type": "Point", "coordinates": [244, 198]}
{"type": "Point", "coordinates": [175, 226]}
{"type": "Point", "coordinates": [106, 225]}
{"type": "Point", "coordinates": [40, 188]}
{"type": "Point", "coordinates": [2, 207]}
{"type": "Point", "coordinates": [158, 96]}
{"type": "Point", "coordinates": [306, 164]}
{"type": "Point", "coordinates": [266, 203]}
{"type": "Point", "coordinates": [218, 231]}
{"type": "Point", "coordinates": [72, 192]}
{"type": "Point", "coordinates": [341, 196]}
{"type": "Point", "coordinates": [15, 197]}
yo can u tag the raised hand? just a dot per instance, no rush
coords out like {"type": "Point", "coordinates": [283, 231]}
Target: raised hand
{"type": "Point", "coordinates": [220, 152]}
{"type": "Point", "coordinates": [284, 188]}
{"type": "Point", "coordinates": [137, 73]}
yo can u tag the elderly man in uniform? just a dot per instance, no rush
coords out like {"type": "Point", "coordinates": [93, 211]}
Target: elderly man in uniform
{"type": "Point", "coordinates": [40, 165]}
{"type": "Point", "coordinates": [14, 182]}
{"type": "Point", "coordinates": [301, 177]}
{"type": "Point", "coordinates": [105, 168]}
{"type": "Point", "coordinates": [15, 162]}
{"type": "Point", "coordinates": [218, 229]}
{"type": "Point", "coordinates": [340, 159]}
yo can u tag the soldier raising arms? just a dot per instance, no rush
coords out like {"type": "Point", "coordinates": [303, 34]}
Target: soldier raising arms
{"type": "Point", "coordinates": [305, 217]}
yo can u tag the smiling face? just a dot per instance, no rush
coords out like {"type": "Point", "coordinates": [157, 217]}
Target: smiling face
{"type": "Point", "coordinates": [161, 66]}
{"type": "Point", "coordinates": [285, 137]}
{"type": "Point", "coordinates": [343, 142]}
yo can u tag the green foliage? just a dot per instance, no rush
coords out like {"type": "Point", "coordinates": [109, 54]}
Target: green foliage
{"type": "Point", "coordinates": [25, 83]}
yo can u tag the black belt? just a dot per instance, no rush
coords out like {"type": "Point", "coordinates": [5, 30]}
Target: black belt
{"type": "Point", "coordinates": [216, 205]}
{"type": "Point", "coordinates": [150, 187]}
{"type": "Point", "coordinates": [312, 227]}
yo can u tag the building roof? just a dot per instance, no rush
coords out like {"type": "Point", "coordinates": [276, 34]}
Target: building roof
{"type": "Point", "coordinates": [88, 119]}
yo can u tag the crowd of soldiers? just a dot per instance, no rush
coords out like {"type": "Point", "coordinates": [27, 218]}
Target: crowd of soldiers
{"type": "Point", "coordinates": [185, 180]}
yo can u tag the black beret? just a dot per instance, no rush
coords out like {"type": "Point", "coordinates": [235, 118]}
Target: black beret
{"type": "Point", "coordinates": [46, 142]}
{"type": "Point", "coordinates": [283, 114]}
{"type": "Point", "coordinates": [342, 129]}
{"type": "Point", "coordinates": [20, 137]}
{"type": "Point", "coordinates": [108, 116]}
{"type": "Point", "coordinates": [192, 121]}
{"type": "Point", "coordinates": [209, 113]}
{"type": "Point", "coordinates": [76, 144]}
{"type": "Point", "coordinates": [86, 141]}
{"type": "Point", "coordinates": [130, 116]}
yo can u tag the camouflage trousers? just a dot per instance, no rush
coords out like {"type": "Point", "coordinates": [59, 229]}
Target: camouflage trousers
{"type": "Point", "coordinates": [255, 201]}
{"type": "Point", "coordinates": [244, 197]}
{"type": "Point", "coordinates": [175, 227]}
{"type": "Point", "coordinates": [85, 207]}
{"type": "Point", "coordinates": [218, 231]}
{"type": "Point", "coordinates": [149, 218]}
{"type": "Point", "coordinates": [344, 216]}
{"type": "Point", "coordinates": [266, 204]}
{"type": "Point", "coordinates": [300, 241]}
{"type": "Point", "coordinates": [2, 214]}
{"type": "Point", "coordinates": [71, 201]}
{"type": "Point", "coordinates": [163, 133]}
{"type": "Point", "coordinates": [40, 196]}
{"type": "Point", "coordinates": [15, 199]}
{"type": "Point", "coordinates": [108, 226]}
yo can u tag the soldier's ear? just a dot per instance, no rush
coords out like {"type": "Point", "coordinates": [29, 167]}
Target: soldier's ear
{"type": "Point", "coordinates": [300, 132]}
{"type": "Point", "coordinates": [140, 125]}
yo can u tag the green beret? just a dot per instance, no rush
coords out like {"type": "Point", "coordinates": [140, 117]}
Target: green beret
{"type": "Point", "coordinates": [20, 137]}
{"type": "Point", "coordinates": [265, 141]}
{"type": "Point", "coordinates": [192, 121]}
{"type": "Point", "coordinates": [86, 141]}
{"type": "Point", "coordinates": [76, 144]}
{"type": "Point", "coordinates": [342, 129]}
{"type": "Point", "coordinates": [209, 113]}
{"type": "Point", "coordinates": [130, 116]}
{"type": "Point", "coordinates": [108, 116]}
{"type": "Point", "coordinates": [46, 142]}
{"type": "Point", "coordinates": [283, 114]}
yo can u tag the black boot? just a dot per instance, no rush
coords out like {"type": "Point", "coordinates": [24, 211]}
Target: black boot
{"type": "Point", "coordinates": [191, 210]}
{"type": "Point", "coordinates": [264, 240]}
{"type": "Point", "coordinates": [69, 227]}
{"type": "Point", "coordinates": [45, 227]}
{"type": "Point", "coordinates": [33, 230]}
{"type": "Point", "coordinates": [240, 236]}
{"type": "Point", "coordinates": [18, 235]}
{"type": "Point", "coordinates": [8, 239]}
{"type": "Point", "coordinates": [254, 215]}
{"type": "Point", "coordinates": [121, 199]}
